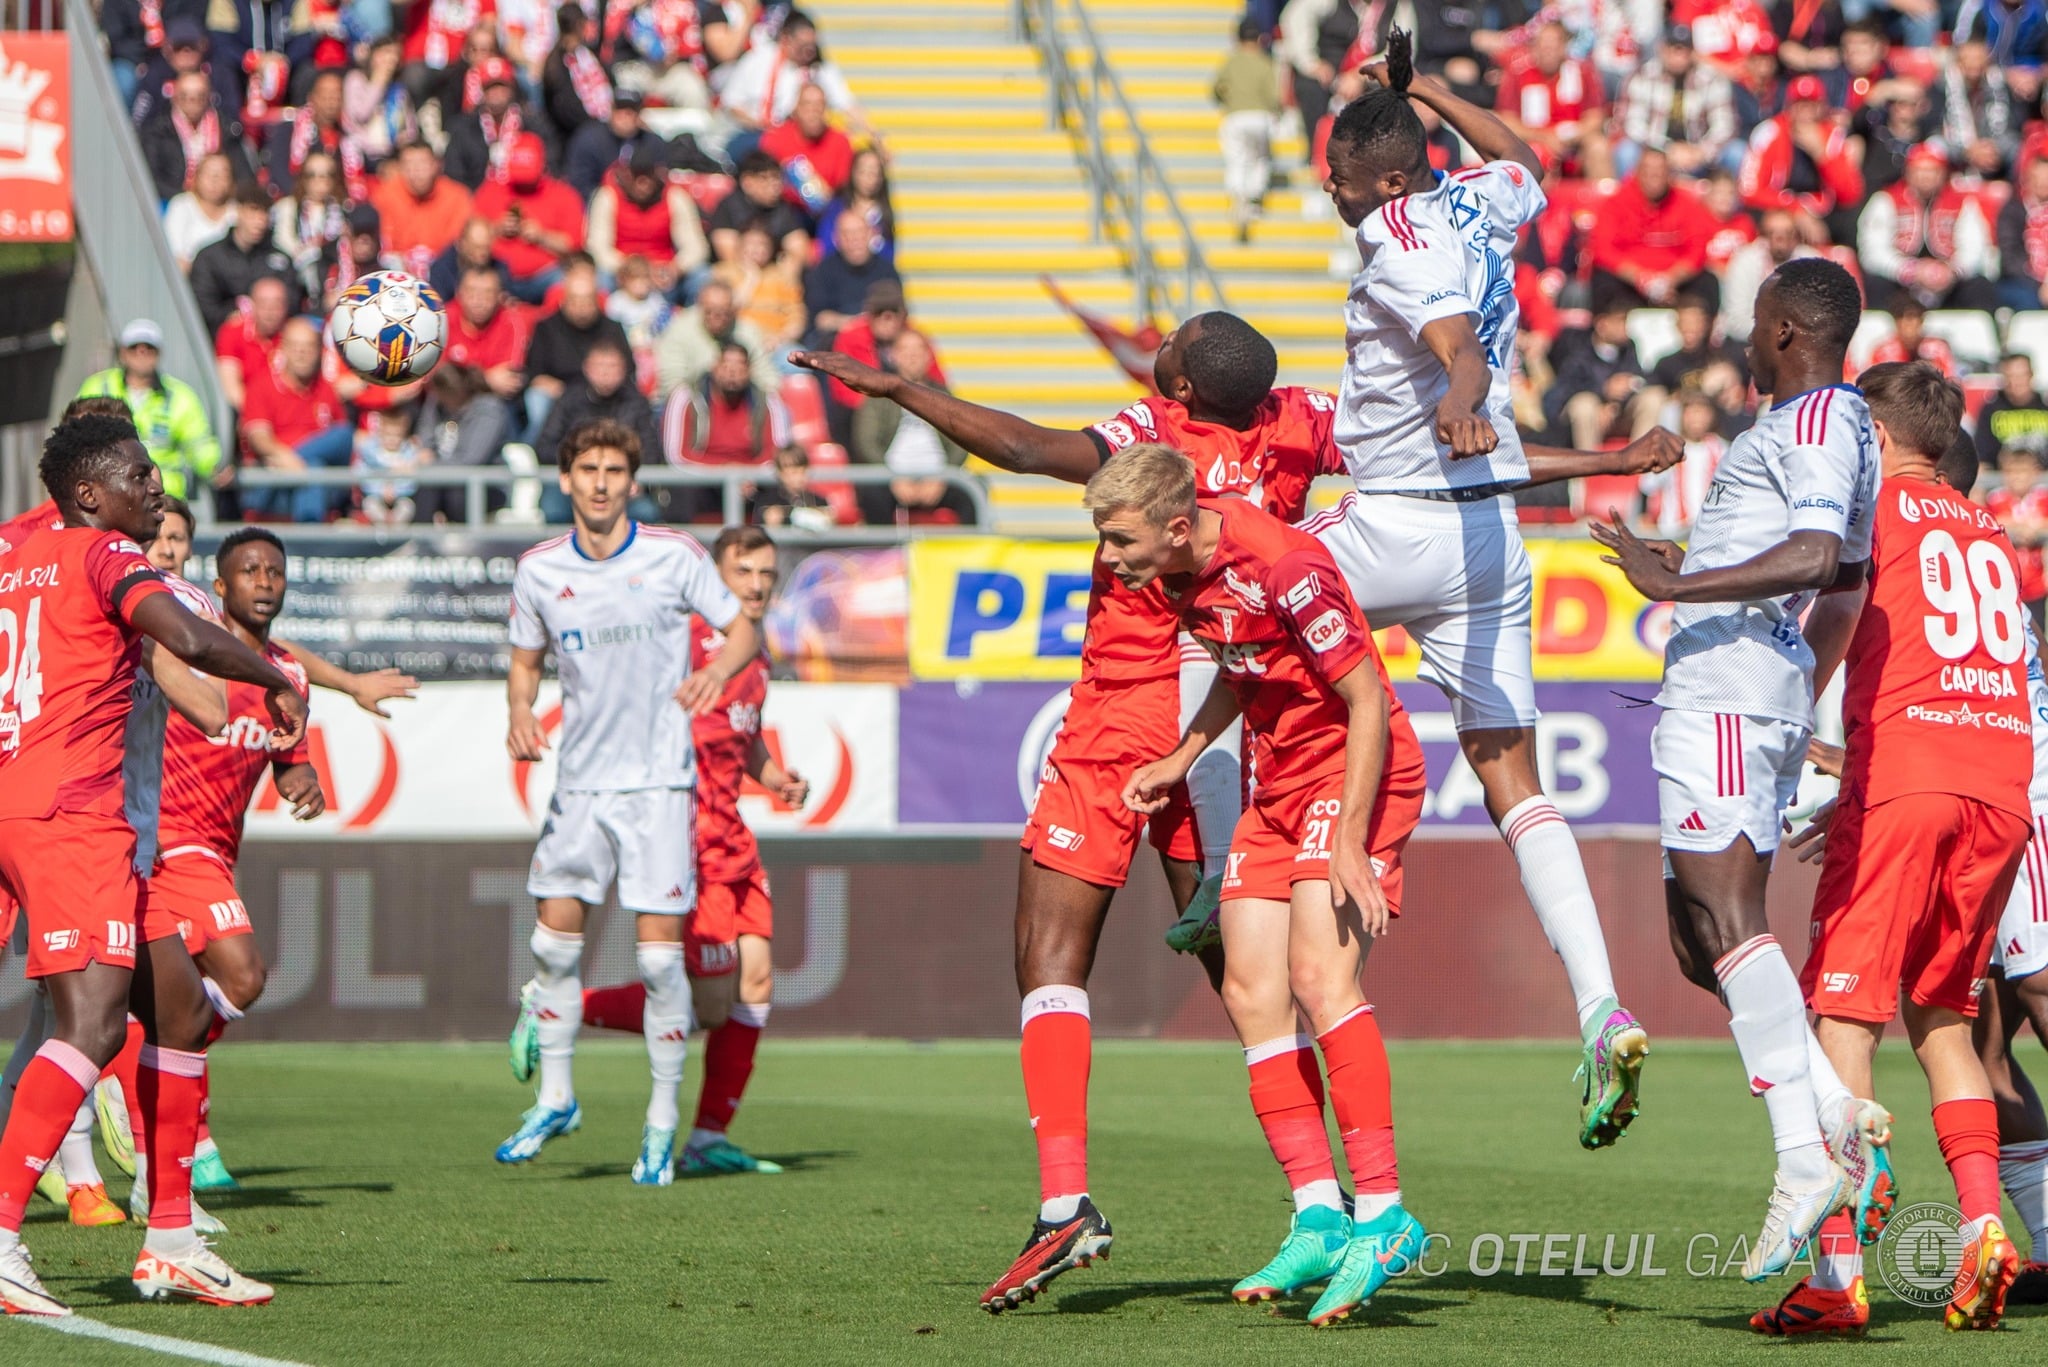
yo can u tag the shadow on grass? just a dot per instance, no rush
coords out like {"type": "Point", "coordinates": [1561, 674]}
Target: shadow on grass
{"type": "Point", "coordinates": [558, 1281]}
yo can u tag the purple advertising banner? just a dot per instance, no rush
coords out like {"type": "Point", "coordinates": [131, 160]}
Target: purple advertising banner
{"type": "Point", "coordinates": [970, 753]}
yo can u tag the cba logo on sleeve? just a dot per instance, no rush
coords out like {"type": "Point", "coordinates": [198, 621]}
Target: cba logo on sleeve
{"type": "Point", "coordinates": [1327, 630]}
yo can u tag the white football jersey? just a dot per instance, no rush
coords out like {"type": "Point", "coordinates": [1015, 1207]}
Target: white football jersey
{"type": "Point", "coordinates": [620, 630]}
{"type": "Point", "coordinates": [1424, 257]}
{"type": "Point", "coordinates": [2037, 699]}
{"type": "Point", "coordinates": [1808, 465]}
{"type": "Point", "coordinates": [142, 741]}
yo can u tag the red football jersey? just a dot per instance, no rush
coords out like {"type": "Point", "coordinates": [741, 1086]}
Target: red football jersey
{"type": "Point", "coordinates": [67, 602]}
{"type": "Point", "coordinates": [1131, 635]}
{"type": "Point", "coordinates": [1936, 699]}
{"type": "Point", "coordinates": [726, 852]}
{"type": "Point", "coordinates": [15, 531]}
{"type": "Point", "coordinates": [209, 780]}
{"type": "Point", "coordinates": [1564, 100]}
{"type": "Point", "coordinates": [1272, 609]}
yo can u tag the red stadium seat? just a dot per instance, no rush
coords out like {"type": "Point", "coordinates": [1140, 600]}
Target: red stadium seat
{"type": "Point", "coordinates": [828, 455]}
{"type": "Point", "coordinates": [1597, 497]}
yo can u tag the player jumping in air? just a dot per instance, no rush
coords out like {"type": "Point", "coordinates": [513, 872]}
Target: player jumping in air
{"type": "Point", "coordinates": [1429, 540]}
{"type": "Point", "coordinates": [75, 603]}
{"type": "Point", "coordinates": [1924, 843]}
{"type": "Point", "coordinates": [1314, 866]}
{"type": "Point", "coordinates": [727, 939]}
{"type": "Point", "coordinates": [1788, 516]}
{"type": "Point", "coordinates": [1138, 688]}
{"type": "Point", "coordinates": [614, 599]}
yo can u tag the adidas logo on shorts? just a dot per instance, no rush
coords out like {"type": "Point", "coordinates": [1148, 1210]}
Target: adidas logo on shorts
{"type": "Point", "coordinates": [1692, 823]}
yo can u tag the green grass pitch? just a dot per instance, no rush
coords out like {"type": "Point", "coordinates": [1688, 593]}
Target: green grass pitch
{"type": "Point", "coordinates": [372, 1202]}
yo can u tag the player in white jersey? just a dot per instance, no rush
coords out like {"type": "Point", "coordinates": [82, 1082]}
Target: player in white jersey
{"type": "Point", "coordinates": [1429, 540]}
{"type": "Point", "coordinates": [613, 600]}
{"type": "Point", "coordinates": [1788, 515]}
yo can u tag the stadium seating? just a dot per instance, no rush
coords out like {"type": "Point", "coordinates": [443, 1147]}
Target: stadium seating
{"type": "Point", "coordinates": [1655, 333]}
{"type": "Point", "coordinates": [2027, 333]}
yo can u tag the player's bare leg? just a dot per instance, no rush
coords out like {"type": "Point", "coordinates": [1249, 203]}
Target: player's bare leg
{"type": "Point", "coordinates": [234, 976]}
{"type": "Point", "coordinates": [1723, 943]}
{"type": "Point", "coordinates": [729, 1064]}
{"type": "Point", "coordinates": [1613, 1045]}
{"type": "Point", "coordinates": [2005, 1007]}
{"type": "Point", "coordinates": [170, 1001]}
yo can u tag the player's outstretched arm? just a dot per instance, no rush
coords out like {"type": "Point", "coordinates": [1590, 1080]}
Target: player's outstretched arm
{"type": "Point", "coordinates": [1802, 561]}
{"type": "Point", "coordinates": [1652, 453]}
{"type": "Point", "coordinates": [1002, 439]}
{"type": "Point", "coordinates": [699, 692]}
{"type": "Point", "coordinates": [1149, 788]}
{"type": "Point", "coordinates": [525, 737]}
{"type": "Point", "coordinates": [790, 788]}
{"type": "Point", "coordinates": [210, 649]}
{"type": "Point", "coordinates": [1490, 137]}
{"type": "Point", "coordinates": [199, 700]}
{"type": "Point", "coordinates": [370, 690]}
{"type": "Point", "coordinates": [1365, 756]}
{"type": "Point", "coordinates": [1459, 424]}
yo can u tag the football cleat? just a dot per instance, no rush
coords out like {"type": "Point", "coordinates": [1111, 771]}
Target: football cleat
{"type": "Point", "coordinates": [209, 1173]}
{"type": "Point", "coordinates": [1809, 1309]}
{"type": "Point", "coordinates": [1380, 1250]}
{"type": "Point", "coordinates": [21, 1292]}
{"type": "Point", "coordinates": [115, 1136]}
{"type": "Point", "coordinates": [1051, 1250]}
{"type": "Point", "coordinates": [656, 1165]}
{"type": "Point", "coordinates": [523, 1047]}
{"type": "Point", "coordinates": [198, 1274]}
{"type": "Point", "coordinates": [90, 1207]}
{"type": "Point", "coordinates": [1312, 1252]}
{"type": "Point", "coordinates": [1610, 1076]}
{"type": "Point", "coordinates": [1860, 1142]}
{"type": "Point", "coordinates": [1198, 928]}
{"type": "Point", "coordinates": [203, 1222]}
{"type": "Point", "coordinates": [536, 1127]}
{"type": "Point", "coordinates": [1794, 1216]}
{"type": "Point", "coordinates": [51, 1185]}
{"type": "Point", "coordinates": [1990, 1263]}
{"type": "Point", "coordinates": [722, 1156]}
{"type": "Point", "coordinates": [2030, 1287]}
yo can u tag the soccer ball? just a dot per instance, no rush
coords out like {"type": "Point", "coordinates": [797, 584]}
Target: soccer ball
{"type": "Point", "coordinates": [389, 328]}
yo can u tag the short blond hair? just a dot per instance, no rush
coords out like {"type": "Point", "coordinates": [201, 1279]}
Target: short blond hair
{"type": "Point", "coordinates": [1156, 480]}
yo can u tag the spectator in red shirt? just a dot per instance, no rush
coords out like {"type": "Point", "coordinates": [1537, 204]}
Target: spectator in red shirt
{"type": "Point", "coordinates": [1800, 160]}
{"type": "Point", "coordinates": [436, 32]}
{"type": "Point", "coordinates": [1926, 238]}
{"type": "Point", "coordinates": [422, 210]}
{"type": "Point", "coordinates": [816, 158]}
{"type": "Point", "coordinates": [733, 421]}
{"type": "Point", "coordinates": [869, 339]}
{"type": "Point", "coordinates": [1649, 243]}
{"type": "Point", "coordinates": [2023, 241]}
{"type": "Point", "coordinates": [1911, 342]}
{"type": "Point", "coordinates": [294, 420]}
{"type": "Point", "coordinates": [638, 212]}
{"type": "Point", "coordinates": [488, 334]}
{"type": "Point", "coordinates": [1734, 229]}
{"type": "Point", "coordinates": [538, 220]}
{"type": "Point", "coordinates": [316, 125]}
{"type": "Point", "coordinates": [1552, 100]}
{"type": "Point", "coordinates": [247, 342]}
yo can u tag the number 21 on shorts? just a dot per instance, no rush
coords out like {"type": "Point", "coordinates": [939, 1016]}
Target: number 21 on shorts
{"type": "Point", "coordinates": [1315, 831]}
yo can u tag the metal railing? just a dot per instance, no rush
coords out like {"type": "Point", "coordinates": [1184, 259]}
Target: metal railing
{"type": "Point", "coordinates": [476, 482]}
{"type": "Point", "coordinates": [120, 226]}
{"type": "Point", "coordinates": [1118, 185]}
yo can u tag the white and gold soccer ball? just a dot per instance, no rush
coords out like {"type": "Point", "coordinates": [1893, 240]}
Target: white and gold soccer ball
{"type": "Point", "coordinates": [389, 328]}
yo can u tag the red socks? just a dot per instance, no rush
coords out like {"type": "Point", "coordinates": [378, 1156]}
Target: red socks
{"type": "Point", "coordinates": [1287, 1097]}
{"type": "Point", "coordinates": [45, 1100]}
{"type": "Point", "coordinates": [616, 1008]}
{"type": "Point", "coordinates": [1362, 1094]}
{"type": "Point", "coordinates": [728, 1063]}
{"type": "Point", "coordinates": [1056, 1053]}
{"type": "Point", "coordinates": [123, 1070]}
{"type": "Point", "coordinates": [1968, 1131]}
{"type": "Point", "coordinates": [173, 1081]}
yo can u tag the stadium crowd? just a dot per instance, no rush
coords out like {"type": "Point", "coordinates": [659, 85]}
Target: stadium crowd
{"type": "Point", "coordinates": [634, 212]}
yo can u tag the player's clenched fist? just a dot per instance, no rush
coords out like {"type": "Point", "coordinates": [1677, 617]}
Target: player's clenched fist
{"type": "Point", "coordinates": [300, 786]}
{"type": "Point", "coordinates": [1464, 431]}
{"type": "Point", "coordinates": [1151, 786]}
{"type": "Point", "coordinates": [288, 715]}
{"type": "Point", "coordinates": [526, 738]}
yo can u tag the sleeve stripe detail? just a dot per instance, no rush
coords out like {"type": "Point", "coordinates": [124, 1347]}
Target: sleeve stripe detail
{"type": "Point", "coordinates": [1810, 424]}
{"type": "Point", "coordinates": [1399, 224]}
{"type": "Point", "coordinates": [668, 534]}
{"type": "Point", "coordinates": [547, 545]}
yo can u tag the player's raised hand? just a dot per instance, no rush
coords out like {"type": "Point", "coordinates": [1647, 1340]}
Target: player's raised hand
{"type": "Point", "coordinates": [1651, 566]}
{"type": "Point", "coordinates": [526, 738]}
{"type": "Point", "coordinates": [1812, 843]}
{"type": "Point", "coordinates": [855, 375]}
{"type": "Point", "coordinates": [1152, 786]}
{"type": "Point", "coordinates": [1825, 758]}
{"type": "Point", "coordinates": [1352, 880]}
{"type": "Point", "coordinates": [1464, 431]}
{"type": "Point", "coordinates": [287, 715]}
{"type": "Point", "coordinates": [699, 693]}
{"type": "Point", "coordinates": [371, 691]}
{"type": "Point", "coordinates": [300, 786]}
{"type": "Point", "coordinates": [1652, 453]}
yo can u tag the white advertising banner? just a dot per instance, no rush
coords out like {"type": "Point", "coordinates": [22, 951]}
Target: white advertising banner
{"type": "Point", "coordinates": [438, 770]}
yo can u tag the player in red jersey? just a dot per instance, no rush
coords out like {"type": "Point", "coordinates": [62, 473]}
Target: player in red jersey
{"type": "Point", "coordinates": [727, 938]}
{"type": "Point", "coordinates": [1314, 868]}
{"type": "Point", "coordinates": [1218, 407]}
{"type": "Point", "coordinates": [75, 603]}
{"type": "Point", "coordinates": [1926, 838]}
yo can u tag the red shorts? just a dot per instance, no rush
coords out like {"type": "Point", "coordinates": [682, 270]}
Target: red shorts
{"type": "Point", "coordinates": [74, 875]}
{"type": "Point", "coordinates": [1284, 838]}
{"type": "Point", "coordinates": [726, 911]}
{"type": "Point", "coordinates": [194, 890]}
{"type": "Point", "coordinates": [1079, 824]}
{"type": "Point", "coordinates": [1910, 895]}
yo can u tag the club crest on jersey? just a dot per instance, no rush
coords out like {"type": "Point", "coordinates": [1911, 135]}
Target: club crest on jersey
{"type": "Point", "coordinates": [1245, 591]}
{"type": "Point", "coordinates": [744, 717]}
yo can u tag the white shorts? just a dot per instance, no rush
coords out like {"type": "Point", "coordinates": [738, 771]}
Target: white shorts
{"type": "Point", "coordinates": [1721, 775]}
{"type": "Point", "coordinates": [2022, 948]}
{"type": "Point", "coordinates": [644, 838]}
{"type": "Point", "coordinates": [1457, 577]}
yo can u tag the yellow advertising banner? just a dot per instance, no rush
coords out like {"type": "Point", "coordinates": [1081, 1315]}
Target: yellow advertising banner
{"type": "Point", "coordinates": [991, 608]}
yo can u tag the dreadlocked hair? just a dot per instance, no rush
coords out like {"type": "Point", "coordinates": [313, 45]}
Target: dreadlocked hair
{"type": "Point", "coordinates": [1382, 124]}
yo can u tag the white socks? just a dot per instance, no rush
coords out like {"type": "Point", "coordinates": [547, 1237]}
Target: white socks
{"type": "Point", "coordinates": [75, 1152]}
{"type": "Point", "coordinates": [558, 1012]}
{"type": "Point", "coordinates": [1367, 1206]}
{"type": "Point", "coordinates": [1555, 878]}
{"type": "Point", "coordinates": [170, 1243]}
{"type": "Point", "coordinates": [1767, 1016]}
{"type": "Point", "coordinates": [1324, 1191]}
{"type": "Point", "coordinates": [666, 1024]}
{"type": "Point", "coordinates": [1060, 1208]}
{"type": "Point", "coordinates": [1214, 786]}
{"type": "Point", "coordinates": [750, 1013]}
{"type": "Point", "coordinates": [1831, 1097]}
{"type": "Point", "coordinates": [2023, 1172]}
